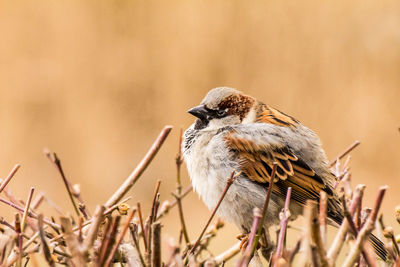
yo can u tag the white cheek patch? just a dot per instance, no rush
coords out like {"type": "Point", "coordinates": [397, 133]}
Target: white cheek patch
{"type": "Point", "coordinates": [250, 117]}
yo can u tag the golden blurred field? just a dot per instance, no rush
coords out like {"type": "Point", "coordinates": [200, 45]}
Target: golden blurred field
{"type": "Point", "coordinates": [96, 81]}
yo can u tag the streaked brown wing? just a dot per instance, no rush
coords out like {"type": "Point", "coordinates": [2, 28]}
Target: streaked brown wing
{"type": "Point", "coordinates": [267, 114]}
{"type": "Point", "coordinates": [256, 162]}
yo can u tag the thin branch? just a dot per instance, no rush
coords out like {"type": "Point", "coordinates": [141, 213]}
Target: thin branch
{"type": "Point", "coordinates": [30, 214]}
{"type": "Point", "coordinates": [94, 227]}
{"type": "Point", "coordinates": [315, 232]}
{"type": "Point", "coordinates": [226, 255]}
{"type": "Point", "coordinates": [344, 153]}
{"type": "Point", "coordinates": [154, 209]}
{"type": "Point", "coordinates": [337, 243]}
{"type": "Point", "coordinates": [211, 232]}
{"type": "Point", "coordinates": [284, 221]}
{"type": "Point", "coordinates": [73, 243]}
{"type": "Point", "coordinates": [149, 239]}
{"type": "Point", "coordinates": [134, 176]}
{"type": "Point", "coordinates": [265, 208]}
{"type": "Point", "coordinates": [156, 202]}
{"type": "Point", "coordinates": [46, 250]}
{"type": "Point", "coordinates": [58, 237]}
{"type": "Point", "coordinates": [133, 229]}
{"type": "Point", "coordinates": [323, 207]}
{"type": "Point", "coordinates": [18, 230]}
{"type": "Point", "coordinates": [182, 219]}
{"type": "Point", "coordinates": [109, 240]}
{"type": "Point", "coordinates": [355, 250]}
{"type": "Point", "coordinates": [167, 206]}
{"type": "Point", "coordinates": [156, 245]}
{"type": "Point", "coordinates": [37, 201]}
{"type": "Point", "coordinates": [179, 161]}
{"type": "Point", "coordinates": [257, 218]}
{"type": "Point", "coordinates": [229, 182]}
{"type": "Point", "coordinates": [67, 184]}
{"type": "Point", "coordinates": [124, 229]}
{"type": "Point", "coordinates": [389, 234]}
{"type": "Point", "coordinates": [142, 226]}
{"type": "Point", "coordinates": [9, 177]}
{"type": "Point", "coordinates": [28, 203]}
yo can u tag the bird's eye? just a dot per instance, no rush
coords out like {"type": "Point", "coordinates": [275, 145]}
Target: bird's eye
{"type": "Point", "coordinates": [221, 112]}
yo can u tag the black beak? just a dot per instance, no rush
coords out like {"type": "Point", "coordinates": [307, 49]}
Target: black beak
{"type": "Point", "coordinates": [199, 112]}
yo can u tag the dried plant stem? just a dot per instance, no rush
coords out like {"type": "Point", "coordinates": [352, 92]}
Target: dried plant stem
{"type": "Point", "coordinates": [9, 177]}
{"type": "Point", "coordinates": [344, 153]}
{"type": "Point", "coordinates": [37, 201]}
{"type": "Point", "coordinates": [353, 229]}
{"type": "Point", "coordinates": [226, 255]}
{"type": "Point", "coordinates": [258, 224]}
{"type": "Point", "coordinates": [154, 208]}
{"type": "Point", "coordinates": [155, 203]}
{"type": "Point", "coordinates": [355, 250]}
{"type": "Point", "coordinates": [142, 226]}
{"type": "Point", "coordinates": [134, 176]}
{"type": "Point", "coordinates": [56, 238]}
{"type": "Point", "coordinates": [314, 232]}
{"type": "Point", "coordinates": [185, 192]}
{"type": "Point", "coordinates": [94, 227]}
{"type": "Point", "coordinates": [156, 245]}
{"type": "Point", "coordinates": [28, 203]}
{"type": "Point", "coordinates": [265, 208]}
{"type": "Point", "coordinates": [33, 238]}
{"type": "Point", "coordinates": [177, 195]}
{"type": "Point", "coordinates": [30, 214]}
{"type": "Point", "coordinates": [182, 219]}
{"type": "Point", "coordinates": [74, 245]}
{"type": "Point", "coordinates": [17, 224]}
{"type": "Point", "coordinates": [67, 184]}
{"type": "Point", "coordinates": [115, 247]}
{"type": "Point", "coordinates": [257, 217]}
{"type": "Point", "coordinates": [149, 240]}
{"type": "Point", "coordinates": [284, 222]}
{"type": "Point", "coordinates": [337, 243]}
{"type": "Point", "coordinates": [323, 207]}
{"type": "Point", "coordinates": [229, 182]}
{"type": "Point", "coordinates": [18, 202]}
{"type": "Point", "coordinates": [109, 240]}
{"type": "Point", "coordinates": [133, 230]}
{"type": "Point", "coordinates": [179, 161]}
{"type": "Point", "coordinates": [46, 249]}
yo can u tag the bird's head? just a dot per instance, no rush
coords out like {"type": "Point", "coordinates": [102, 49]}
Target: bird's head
{"type": "Point", "coordinates": [223, 106]}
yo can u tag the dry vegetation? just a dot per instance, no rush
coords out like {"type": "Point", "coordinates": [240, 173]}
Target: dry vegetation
{"type": "Point", "coordinates": [118, 233]}
{"type": "Point", "coordinates": [94, 80]}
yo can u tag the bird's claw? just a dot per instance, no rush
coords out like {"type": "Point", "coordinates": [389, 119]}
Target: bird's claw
{"type": "Point", "coordinates": [244, 240]}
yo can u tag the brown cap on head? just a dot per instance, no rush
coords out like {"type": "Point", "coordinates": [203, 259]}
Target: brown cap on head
{"type": "Point", "coordinates": [215, 96]}
{"type": "Point", "coordinates": [221, 102]}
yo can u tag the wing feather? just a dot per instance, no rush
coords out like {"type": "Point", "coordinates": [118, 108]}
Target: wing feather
{"type": "Point", "coordinates": [256, 162]}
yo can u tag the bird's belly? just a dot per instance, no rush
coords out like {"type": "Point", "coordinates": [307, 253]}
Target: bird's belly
{"type": "Point", "coordinates": [210, 164]}
{"type": "Point", "coordinates": [241, 198]}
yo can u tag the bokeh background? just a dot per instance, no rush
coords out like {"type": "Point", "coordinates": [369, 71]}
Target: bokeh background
{"type": "Point", "coordinates": [96, 81]}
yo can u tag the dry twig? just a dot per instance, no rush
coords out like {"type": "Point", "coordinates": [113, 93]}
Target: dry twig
{"type": "Point", "coordinates": [9, 177]}
{"type": "Point", "coordinates": [135, 175]}
{"type": "Point", "coordinates": [229, 182]}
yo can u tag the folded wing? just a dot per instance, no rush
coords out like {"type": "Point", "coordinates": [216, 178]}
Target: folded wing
{"type": "Point", "coordinates": [256, 159]}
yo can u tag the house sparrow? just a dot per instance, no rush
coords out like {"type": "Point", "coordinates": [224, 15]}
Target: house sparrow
{"type": "Point", "coordinates": [236, 132]}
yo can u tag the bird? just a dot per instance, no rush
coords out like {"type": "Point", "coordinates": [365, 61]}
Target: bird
{"type": "Point", "coordinates": [236, 132]}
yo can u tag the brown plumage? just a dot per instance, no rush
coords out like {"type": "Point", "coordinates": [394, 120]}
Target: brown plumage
{"type": "Point", "coordinates": [236, 132]}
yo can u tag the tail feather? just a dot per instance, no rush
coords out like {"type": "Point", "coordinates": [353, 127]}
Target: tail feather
{"type": "Point", "coordinates": [379, 247]}
{"type": "Point", "coordinates": [377, 244]}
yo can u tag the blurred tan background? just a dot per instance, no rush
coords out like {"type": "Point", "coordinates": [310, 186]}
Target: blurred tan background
{"type": "Point", "coordinates": [96, 81]}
